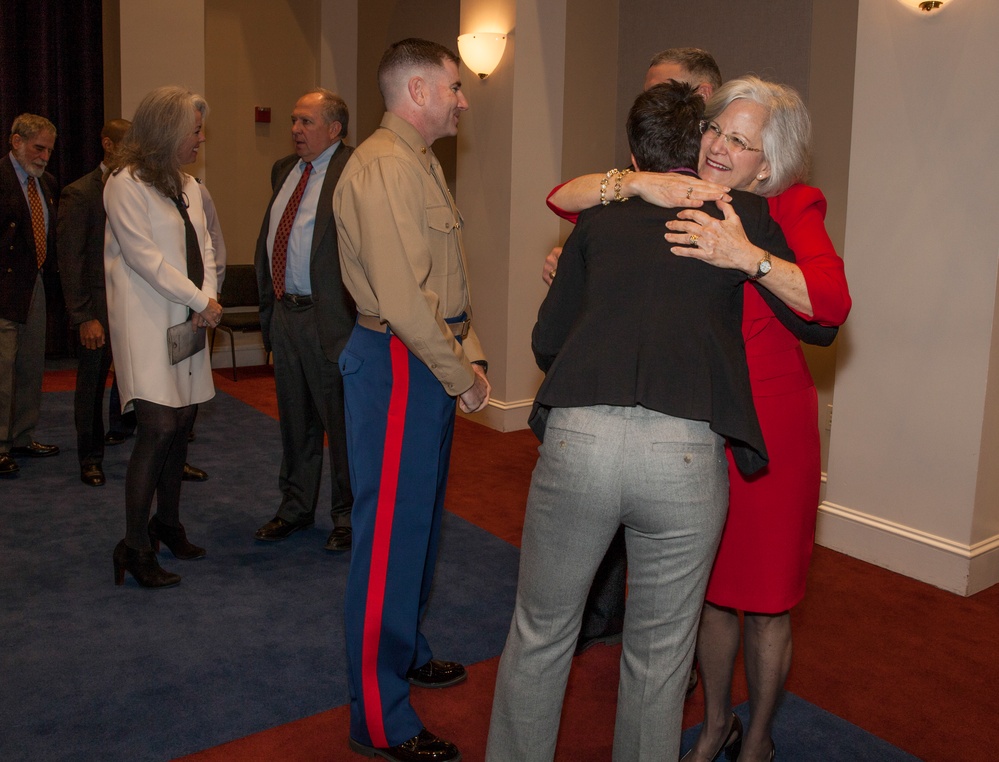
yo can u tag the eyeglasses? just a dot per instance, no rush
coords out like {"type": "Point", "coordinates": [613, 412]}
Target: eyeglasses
{"type": "Point", "coordinates": [734, 142]}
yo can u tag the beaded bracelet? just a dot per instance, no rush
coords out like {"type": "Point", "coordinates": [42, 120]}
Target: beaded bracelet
{"type": "Point", "coordinates": [617, 185]}
{"type": "Point", "coordinates": [603, 186]}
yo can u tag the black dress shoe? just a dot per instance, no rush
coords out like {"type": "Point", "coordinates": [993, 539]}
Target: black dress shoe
{"type": "Point", "coordinates": [423, 747]}
{"type": "Point", "coordinates": [339, 539]}
{"type": "Point", "coordinates": [113, 438]}
{"type": "Point", "coordinates": [8, 466]}
{"type": "Point", "coordinates": [437, 674]}
{"type": "Point", "coordinates": [35, 450]}
{"type": "Point", "coordinates": [279, 529]}
{"type": "Point", "coordinates": [192, 474]}
{"type": "Point", "coordinates": [92, 475]}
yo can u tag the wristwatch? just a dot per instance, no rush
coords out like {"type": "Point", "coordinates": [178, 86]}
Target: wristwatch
{"type": "Point", "coordinates": [483, 364]}
{"type": "Point", "coordinates": [763, 267]}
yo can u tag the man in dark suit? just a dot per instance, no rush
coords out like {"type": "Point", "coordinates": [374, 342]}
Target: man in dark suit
{"type": "Point", "coordinates": [306, 316]}
{"type": "Point", "coordinates": [81, 265]}
{"type": "Point", "coordinates": [27, 242]}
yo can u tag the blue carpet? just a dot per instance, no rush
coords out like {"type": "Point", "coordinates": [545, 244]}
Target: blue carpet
{"type": "Point", "coordinates": [253, 636]}
{"type": "Point", "coordinates": [805, 733]}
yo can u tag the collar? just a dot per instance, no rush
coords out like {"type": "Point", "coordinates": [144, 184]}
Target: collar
{"type": "Point", "coordinates": [411, 137]}
{"type": "Point", "coordinates": [322, 160]}
{"type": "Point", "coordinates": [683, 171]}
{"type": "Point", "coordinates": [22, 175]}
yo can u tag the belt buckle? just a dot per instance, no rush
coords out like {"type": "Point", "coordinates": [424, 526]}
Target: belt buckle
{"type": "Point", "coordinates": [464, 328]}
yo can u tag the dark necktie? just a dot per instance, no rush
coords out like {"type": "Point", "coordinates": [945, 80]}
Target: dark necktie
{"type": "Point", "coordinates": [279, 256]}
{"type": "Point", "coordinates": [195, 264]}
{"type": "Point", "coordinates": [37, 221]}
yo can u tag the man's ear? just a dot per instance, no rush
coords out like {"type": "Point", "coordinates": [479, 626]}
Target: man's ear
{"type": "Point", "coordinates": [635, 163]}
{"type": "Point", "coordinates": [335, 129]}
{"type": "Point", "coordinates": [706, 90]}
{"type": "Point", "coordinates": [417, 90]}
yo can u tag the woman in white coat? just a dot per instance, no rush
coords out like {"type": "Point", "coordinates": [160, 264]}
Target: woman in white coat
{"type": "Point", "coordinates": [160, 271]}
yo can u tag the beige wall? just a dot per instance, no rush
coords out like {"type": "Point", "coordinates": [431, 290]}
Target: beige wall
{"type": "Point", "coordinates": [912, 483]}
{"type": "Point", "coordinates": [248, 64]}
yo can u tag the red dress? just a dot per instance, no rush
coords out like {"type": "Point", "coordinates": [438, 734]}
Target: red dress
{"type": "Point", "coordinates": [767, 542]}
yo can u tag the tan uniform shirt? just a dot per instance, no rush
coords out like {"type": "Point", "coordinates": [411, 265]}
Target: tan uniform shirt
{"type": "Point", "coordinates": [401, 253]}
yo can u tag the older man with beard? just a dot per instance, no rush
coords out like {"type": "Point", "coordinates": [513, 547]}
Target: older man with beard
{"type": "Point", "coordinates": [27, 242]}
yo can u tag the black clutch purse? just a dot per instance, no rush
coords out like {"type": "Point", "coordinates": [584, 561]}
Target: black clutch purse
{"type": "Point", "coordinates": [183, 342]}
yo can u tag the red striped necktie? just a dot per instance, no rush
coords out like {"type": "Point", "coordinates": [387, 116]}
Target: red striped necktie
{"type": "Point", "coordinates": [279, 256]}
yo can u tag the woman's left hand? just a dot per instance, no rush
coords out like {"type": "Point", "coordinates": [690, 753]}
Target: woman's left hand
{"type": "Point", "coordinates": [722, 243]}
{"type": "Point", "coordinates": [209, 317]}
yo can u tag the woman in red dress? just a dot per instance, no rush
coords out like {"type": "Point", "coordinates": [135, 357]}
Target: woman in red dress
{"type": "Point", "coordinates": [755, 137]}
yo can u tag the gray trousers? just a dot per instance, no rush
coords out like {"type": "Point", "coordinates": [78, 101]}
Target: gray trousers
{"type": "Point", "coordinates": [309, 391]}
{"type": "Point", "coordinates": [22, 365]}
{"type": "Point", "coordinates": [666, 480]}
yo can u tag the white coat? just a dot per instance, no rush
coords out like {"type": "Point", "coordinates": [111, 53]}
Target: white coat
{"type": "Point", "coordinates": [145, 268]}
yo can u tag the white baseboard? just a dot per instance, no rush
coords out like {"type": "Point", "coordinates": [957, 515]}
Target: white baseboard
{"type": "Point", "coordinates": [944, 563]}
{"type": "Point", "coordinates": [249, 350]}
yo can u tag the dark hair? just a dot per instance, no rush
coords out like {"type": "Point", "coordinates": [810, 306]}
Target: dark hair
{"type": "Point", "coordinates": [663, 130]}
{"type": "Point", "coordinates": [334, 109]}
{"type": "Point", "coordinates": [699, 63]}
{"type": "Point", "coordinates": [115, 129]}
{"type": "Point", "coordinates": [409, 53]}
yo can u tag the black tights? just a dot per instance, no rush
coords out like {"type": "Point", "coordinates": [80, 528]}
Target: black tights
{"type": "Point", "coordinates": [156, 468]}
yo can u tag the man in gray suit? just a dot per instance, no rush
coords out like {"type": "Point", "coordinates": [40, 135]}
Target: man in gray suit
{"type": "Point", "coordinates": [81, 265]}
{"type": "Point", "coordinates": [27, 245]}
{"type": "Point", "coordinates": [306, 316]}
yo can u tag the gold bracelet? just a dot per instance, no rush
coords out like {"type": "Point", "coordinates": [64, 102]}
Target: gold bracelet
{"type": "Point", "coordinates": [604, 201]}
{"type": "Point", "coordinates": [617, 185]}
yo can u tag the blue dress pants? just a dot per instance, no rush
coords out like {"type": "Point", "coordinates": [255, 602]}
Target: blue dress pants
{"type": "Point", "coordinates": [400, 423]}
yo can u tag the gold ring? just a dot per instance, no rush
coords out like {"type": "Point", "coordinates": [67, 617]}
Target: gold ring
{"type": "Point", "coordinates": [693, 239]}
{"type": "Point", "coordinates": [690, 190]}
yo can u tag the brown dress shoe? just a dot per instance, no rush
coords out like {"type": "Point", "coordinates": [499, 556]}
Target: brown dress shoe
{"type": "Point", "coordinates": [437, 674]}
{"type": "Point", "coordinates": [192, 474]}
{"type": "Point", "coordinates": [423, 747]}
{"type": "Point", "coordinates": [35, 450]}
{"type": "Point", "coordinates": [8, 466]}
{"type": "Point", "coordinates": [339, 539]}
{"type": "Point", "coordinates": [92, 475]}
{"type": "Point", "coordinates": [279, 529]}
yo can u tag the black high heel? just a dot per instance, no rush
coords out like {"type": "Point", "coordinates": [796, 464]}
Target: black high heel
{"type": "Point", "coordinates": [142, 565]}
{"type": "Point", "coordinates": [174, 538]}
{"type": "Point", "coordinates": [732, 743]}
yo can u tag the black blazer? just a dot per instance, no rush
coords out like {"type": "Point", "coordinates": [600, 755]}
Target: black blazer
{"type": "Point", "coordinates": [335, 308]}
{"type": "Point", "coordinates": [627, 322]}
{"type": "Point", "coordinates": [18, 261]}
{"type": "Point", "coordinates": [80, 239]}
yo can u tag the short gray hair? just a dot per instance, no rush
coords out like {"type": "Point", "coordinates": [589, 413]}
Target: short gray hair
{"type": "Point", "coordinates": [28, 126]}
{"type": "Point", "coordinates": [698, 63]}
{"type": "Point", "coordinates": [334, 109]}
{"type": "Point", "coordinates": [786, 133]}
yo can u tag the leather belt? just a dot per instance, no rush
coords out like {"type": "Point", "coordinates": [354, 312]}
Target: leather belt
{"type": "Point", "coordinates": [299, 300]}
{"type": "Point", "coordinates": [374, 323]}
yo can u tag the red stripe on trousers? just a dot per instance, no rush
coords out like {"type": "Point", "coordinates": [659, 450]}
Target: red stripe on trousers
{"type": "Point", "coordinates": [378, 572]}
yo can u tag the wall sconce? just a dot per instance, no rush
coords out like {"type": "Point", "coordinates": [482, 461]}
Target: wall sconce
{"type": "Point", "coordinates": [482, 51]}
{"type": "Point", "coordinates": [928, 6]}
